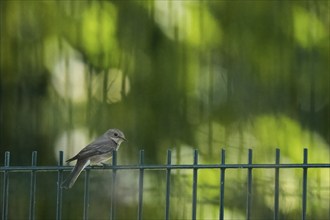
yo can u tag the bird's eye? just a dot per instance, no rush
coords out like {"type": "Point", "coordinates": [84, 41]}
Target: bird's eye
{"type": "Point", "coordinates": [116, 134]}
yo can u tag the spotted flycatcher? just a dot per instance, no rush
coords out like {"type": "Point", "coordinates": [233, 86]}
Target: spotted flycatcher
{"type": "Point", "coordinates": [96, 152]}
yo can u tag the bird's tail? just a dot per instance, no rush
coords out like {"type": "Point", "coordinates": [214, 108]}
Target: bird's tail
{"type": "Point", "coordinates": [71, 179]}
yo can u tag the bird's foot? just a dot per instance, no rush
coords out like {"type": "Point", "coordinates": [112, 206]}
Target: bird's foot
{"type": "Point", "coordinates": [105, 164]}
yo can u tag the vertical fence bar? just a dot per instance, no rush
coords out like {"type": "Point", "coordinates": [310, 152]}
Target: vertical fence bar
{"type": "Point", "coordinates": [59, 188]}
{"type": "Point", "coordinates": [249, 187]}
{"type": "Point", "coordinates": [304, 192]}
{"type": "Point", "coordinates": [86, 195]}
{"type": "Point", "coordinates": [33, 187]}
{"type": "Point", "coordinates": [5, 193]}
{"type": "Point", "coordinates": [277, 177]}
{"type": "Point", "coordinates": [168, 185]}
{"type": "Point", "coordinates": [194, 191]}
{"type": "Point", "coordinates": [113, 185]}
{"type": "Point", "coordinates": [141, 177]}
{"type": "Point", "coordinates": [222, 184]}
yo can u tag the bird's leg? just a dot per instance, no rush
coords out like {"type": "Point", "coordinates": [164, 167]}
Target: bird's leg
{"type": "Point", "coordinates": [105, 164]}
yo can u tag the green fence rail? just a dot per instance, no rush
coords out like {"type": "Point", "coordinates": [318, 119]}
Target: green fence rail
{"type": "Point", "coordinates": [168, 167]}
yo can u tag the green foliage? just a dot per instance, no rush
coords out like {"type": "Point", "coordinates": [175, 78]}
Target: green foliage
{"type": "Point", "coordinates": [171, 74]}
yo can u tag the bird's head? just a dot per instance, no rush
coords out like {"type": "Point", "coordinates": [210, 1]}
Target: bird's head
{"type": "Point", "coordinates": [116, 135]}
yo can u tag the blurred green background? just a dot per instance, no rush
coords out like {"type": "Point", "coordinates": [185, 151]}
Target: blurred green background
{"type": "Point", "coordinates": [173, 75]}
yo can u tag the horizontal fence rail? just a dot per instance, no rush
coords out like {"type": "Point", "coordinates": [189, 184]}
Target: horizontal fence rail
{"type": "Point", "coordinates": [168, 167]}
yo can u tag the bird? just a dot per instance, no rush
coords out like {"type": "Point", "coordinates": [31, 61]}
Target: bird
{"type": "Point", "coordinates": [96, 152]}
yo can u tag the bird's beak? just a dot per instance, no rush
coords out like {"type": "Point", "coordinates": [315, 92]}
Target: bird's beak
{"type": "Point", "coordinates": [124, 139]}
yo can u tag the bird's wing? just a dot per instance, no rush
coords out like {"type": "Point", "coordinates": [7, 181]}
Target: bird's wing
{"type": "Point", "coordinates": [100, 146]}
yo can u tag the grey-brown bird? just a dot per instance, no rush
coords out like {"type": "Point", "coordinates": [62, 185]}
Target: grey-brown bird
{"type": "Point", "coordinates": [96, 152]}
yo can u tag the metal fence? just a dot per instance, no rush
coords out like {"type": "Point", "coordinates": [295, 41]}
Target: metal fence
{"type": "Point", "coordinates": [168, 167]}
